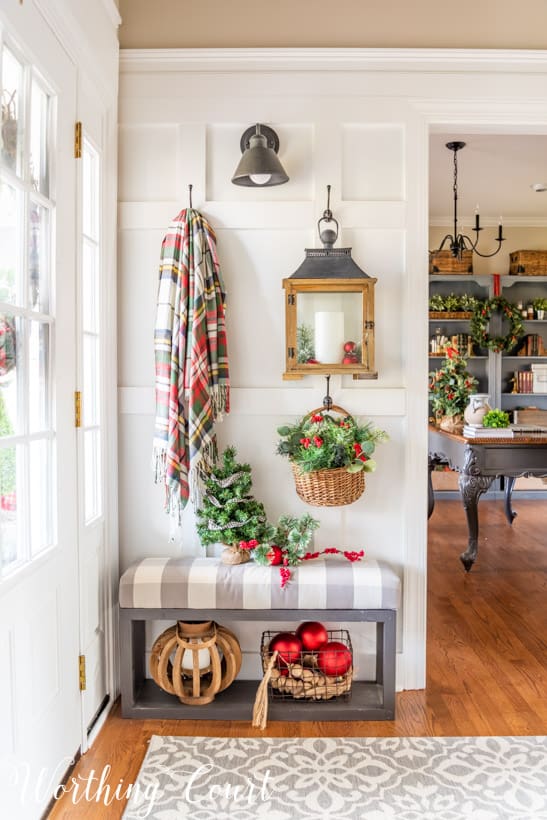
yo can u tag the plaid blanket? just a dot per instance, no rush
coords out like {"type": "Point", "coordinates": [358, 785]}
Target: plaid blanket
{"type": "Point", "coordinates": [192, 383]}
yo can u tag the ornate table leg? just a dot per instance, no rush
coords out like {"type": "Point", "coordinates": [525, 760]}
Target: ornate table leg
{"type": "Point", "coordinates": [509, 484]}
{"type": "Point", "coordinates": [472, 486]}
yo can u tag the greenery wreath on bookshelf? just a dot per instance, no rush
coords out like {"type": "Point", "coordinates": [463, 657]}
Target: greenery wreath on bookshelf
{"type": "Point", "coordinates": [481, 317]}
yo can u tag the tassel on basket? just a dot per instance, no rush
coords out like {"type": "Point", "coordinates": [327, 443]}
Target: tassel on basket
{"type": "Point", "coordinates": [260, 709]}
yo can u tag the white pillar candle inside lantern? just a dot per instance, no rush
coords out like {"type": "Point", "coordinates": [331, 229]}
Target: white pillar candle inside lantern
{"type": "Point", "coordinates": [329, 336]}
{"type": "Point", "coordinates": [204, 659]}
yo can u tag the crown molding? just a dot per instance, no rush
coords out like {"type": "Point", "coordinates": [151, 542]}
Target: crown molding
{"type": "Point", "coordinates": [113, 12]}
{"type": "Point", "coordinates": [333, 59]}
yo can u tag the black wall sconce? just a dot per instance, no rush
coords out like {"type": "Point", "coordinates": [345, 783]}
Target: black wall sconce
{"type": "Point", "coordinates": [259, 167]}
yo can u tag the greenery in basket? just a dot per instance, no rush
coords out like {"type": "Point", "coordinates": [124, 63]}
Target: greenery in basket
{"type": "Point", "coordinates": [453, 303]}
{"type": "Point", "coordinates": [320, 442]}
{"type": "Point", "coordinates": [229, 514]}
{"type": "Point", "coordinates": [451, 385]}
{"type": "Point", "coordinates": [496, 418]}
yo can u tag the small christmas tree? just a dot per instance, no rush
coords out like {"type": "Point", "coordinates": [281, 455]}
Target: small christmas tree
{"type": "Point", "coordinates": [451, 385]}
{"type": "Point", "coordinates": [229, 514]}
{"type": "Point", "coordinates": [305, 344]}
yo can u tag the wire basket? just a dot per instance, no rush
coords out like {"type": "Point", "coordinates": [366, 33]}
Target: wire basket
{"type": "Point", "coordinates": [304, 680]}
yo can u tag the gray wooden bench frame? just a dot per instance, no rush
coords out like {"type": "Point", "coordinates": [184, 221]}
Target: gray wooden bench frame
{"type": "Point", "coordinates": [369, 700]}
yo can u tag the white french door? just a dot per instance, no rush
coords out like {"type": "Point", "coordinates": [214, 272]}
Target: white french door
{"type": "Point", "coordinates": [39, 616]}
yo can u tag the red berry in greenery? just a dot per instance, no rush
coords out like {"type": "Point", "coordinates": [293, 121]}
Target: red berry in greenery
{"type": "Point", "coordinates": [274, 556]}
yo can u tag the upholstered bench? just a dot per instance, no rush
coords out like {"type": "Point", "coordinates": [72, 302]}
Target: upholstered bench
{"type": "Point", "coordinates": [331, 589]}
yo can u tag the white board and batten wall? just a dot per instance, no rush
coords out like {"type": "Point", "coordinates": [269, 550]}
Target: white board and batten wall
{"type": "Point", "coordinates": [355, 119]}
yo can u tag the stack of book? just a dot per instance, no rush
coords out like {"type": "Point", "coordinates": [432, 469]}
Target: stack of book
{"type": "Point", "coordinates": [475, 431]}
{"type": "Point", "coordinates": [532, 345]}
{"type": "Point", "coordinates": [524, 381]}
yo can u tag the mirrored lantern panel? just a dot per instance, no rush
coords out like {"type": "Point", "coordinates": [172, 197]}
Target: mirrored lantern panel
{"type": "Point", "coordinates": [330, 327]}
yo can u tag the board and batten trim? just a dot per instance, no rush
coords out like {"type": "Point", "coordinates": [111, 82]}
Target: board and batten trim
{"type": "Point", "coordinates": [275, 401]}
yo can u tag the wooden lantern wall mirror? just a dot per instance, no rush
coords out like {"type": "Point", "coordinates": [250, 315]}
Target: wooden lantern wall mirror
{"type": "Point", "coordinates": [329, 311]}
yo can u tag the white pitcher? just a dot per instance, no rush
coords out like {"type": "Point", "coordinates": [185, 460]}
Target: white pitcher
{"type": "Point", "coordinates": [477, 408]}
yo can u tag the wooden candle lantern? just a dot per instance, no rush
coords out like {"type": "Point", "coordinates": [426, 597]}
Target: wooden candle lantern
{"type": "Point", "coordinates": [195, 661]}
{"type": "Point", "coordinates": [329, 311]}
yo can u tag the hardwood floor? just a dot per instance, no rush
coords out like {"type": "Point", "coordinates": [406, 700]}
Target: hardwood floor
{"type": "Point", "coordinates": [487, 655]}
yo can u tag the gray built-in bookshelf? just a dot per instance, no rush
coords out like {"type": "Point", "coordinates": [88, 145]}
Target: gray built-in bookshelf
{"type": "Point", "coordinates": [507, 377]}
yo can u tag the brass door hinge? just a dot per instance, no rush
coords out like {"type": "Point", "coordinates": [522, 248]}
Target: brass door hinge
{"type": "Point", "coordinates": [81, 672]}
{"type": "Point", "coordinates": [77, 409]}
{"type": "Point", "coordinates": [78, 140]}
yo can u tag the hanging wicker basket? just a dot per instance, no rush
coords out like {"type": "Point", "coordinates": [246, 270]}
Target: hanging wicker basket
{"type": "Point", "coordinates": [332, 487]}
{"type": "Point", "coordinates": [328, 488]}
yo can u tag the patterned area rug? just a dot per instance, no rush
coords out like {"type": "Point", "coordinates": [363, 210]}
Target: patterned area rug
{"type": "Point", "coordinates": [416, 778]}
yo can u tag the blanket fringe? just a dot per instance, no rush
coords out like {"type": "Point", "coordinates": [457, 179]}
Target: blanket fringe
{"type": "Point", "coordinates": [159, 464]}
{"type": "Point", "coordinates": [220, 400]}
{"type": "Point", "coordinates": [200, 469]}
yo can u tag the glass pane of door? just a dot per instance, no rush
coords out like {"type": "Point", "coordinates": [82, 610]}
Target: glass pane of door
{"type": "Point", "coordinates": [27, 435]}
{"type": "Point", "coordinates": [11, 233]}
{"type": "Point", "coordinates": [10, 478]}
{"type": "Point", "coordinates": [12, 111]}
{"type": "Point", "coordinates": [38, 258]}
{"type": "Point", "coordinates": [91, 366]}
{"type": "Point", "coordinates": [39, 112]}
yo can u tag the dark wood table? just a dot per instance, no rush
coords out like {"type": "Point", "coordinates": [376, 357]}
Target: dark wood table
{"type": "Point", "coordinates": [478, 464]}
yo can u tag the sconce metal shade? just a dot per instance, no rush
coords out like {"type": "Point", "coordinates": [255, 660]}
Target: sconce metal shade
{"type": "Point", "coordinates": [259, 167]}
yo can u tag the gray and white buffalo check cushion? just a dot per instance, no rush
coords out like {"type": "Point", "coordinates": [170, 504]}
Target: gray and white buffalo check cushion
{"type": "Point", "coordinates": [198, 583]}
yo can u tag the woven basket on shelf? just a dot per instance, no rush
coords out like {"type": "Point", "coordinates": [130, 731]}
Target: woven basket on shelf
{"type": "Point", "coordinates": [528, 263]}
{"type": "Point", "coordinates": [444, 262]}
{"type": "Point", "coordinates": [450, 314]}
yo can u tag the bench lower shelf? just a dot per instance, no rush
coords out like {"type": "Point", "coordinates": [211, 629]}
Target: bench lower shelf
{"type": "Point", "coordinates": [369, 700]}
{"type": "Point", "coordinates": [236, 703]}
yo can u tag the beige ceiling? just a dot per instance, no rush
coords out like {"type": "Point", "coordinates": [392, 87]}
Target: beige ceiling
{"type": "Point", "coordinates": [494, 171]}
{"type": "Point", "coordinates": [344, 23]}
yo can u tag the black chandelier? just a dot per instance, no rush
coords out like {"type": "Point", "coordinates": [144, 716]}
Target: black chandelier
{"type": "Point", "coordinates": [460, 242]}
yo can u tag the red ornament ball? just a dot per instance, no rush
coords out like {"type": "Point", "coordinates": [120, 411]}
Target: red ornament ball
{"type": "Point", "coordinates": [312, 634]}
{"type": "Point", "coordinates": [274, 556]}
{"type": "Point", "coordinates": [349, 347]}
{"type": "Point", "coordinates": [288, 646]}
{"type": "Point", "coordinates": [334, 659]}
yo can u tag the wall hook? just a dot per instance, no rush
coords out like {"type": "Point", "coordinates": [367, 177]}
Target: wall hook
{"type": "Point", "coordinates": [190, 195]}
